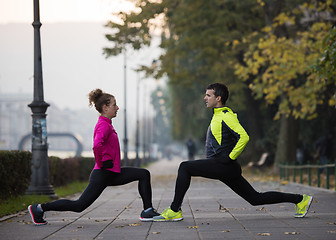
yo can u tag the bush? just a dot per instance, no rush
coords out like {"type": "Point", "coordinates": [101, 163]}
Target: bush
{"type": "Point", "coordinates": [85, 167]}
{"type": "Point", "coordinates": [15, 172]}
{"type": "Point", "coordinates": [65, 171]}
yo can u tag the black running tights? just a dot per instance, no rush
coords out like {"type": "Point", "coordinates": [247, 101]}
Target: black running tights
{"type": "Point", "coordinates": [230, 174]}
{"type": "Point", "coordinates": [99, 180]}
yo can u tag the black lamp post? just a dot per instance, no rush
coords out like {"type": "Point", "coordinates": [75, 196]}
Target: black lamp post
{"type": "Point", "coordinates": [137, 142]}
{"type": "Point", "coordinates": [125, 112]}
{"type": "Point", "coordinates": [40, 169]}
{"type": "Point", "coordinates": [144, 127]}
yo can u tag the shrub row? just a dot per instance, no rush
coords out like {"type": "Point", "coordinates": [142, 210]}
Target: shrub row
{"type": "Point", "coordinates": [64, 171]}
{"type": "Point", "coordinates": [15, 171]}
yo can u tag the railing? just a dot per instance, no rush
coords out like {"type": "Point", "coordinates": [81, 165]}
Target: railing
{"type": "Point", "coordinates": [308, 170]}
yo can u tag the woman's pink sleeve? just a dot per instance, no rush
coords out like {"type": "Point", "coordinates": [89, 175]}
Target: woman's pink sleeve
{"type": "Point", "coordinates": [98, 145]}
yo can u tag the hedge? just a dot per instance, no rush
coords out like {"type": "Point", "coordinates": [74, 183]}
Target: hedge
{"type": "Point", "coordinates": [15, 171]}
{"type": "Point", "coordinates": [64, 171]}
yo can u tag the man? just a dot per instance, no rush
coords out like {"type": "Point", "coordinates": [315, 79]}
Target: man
{"type": "Point", "coordinates": [225, 141]}
{"type": "Point", "coordinates": [191, 149]}
{"type": "Point", "coordinates": [323, 147]}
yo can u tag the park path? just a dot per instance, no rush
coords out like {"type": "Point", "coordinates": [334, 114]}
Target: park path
{"type": "Point", "coordinates": [211, 211]}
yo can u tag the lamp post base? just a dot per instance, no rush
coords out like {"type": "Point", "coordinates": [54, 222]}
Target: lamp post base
{"type": "Point", "coordinates": [42, 190]}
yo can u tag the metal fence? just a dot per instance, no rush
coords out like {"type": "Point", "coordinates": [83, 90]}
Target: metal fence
{"type": "Point", "coordinates": [294, 170]}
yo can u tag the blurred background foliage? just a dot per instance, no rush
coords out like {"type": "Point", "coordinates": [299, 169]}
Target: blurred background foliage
{"type": "Point", "coordinates": [276, 56]}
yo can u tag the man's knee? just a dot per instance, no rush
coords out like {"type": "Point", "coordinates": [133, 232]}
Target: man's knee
{"type": "Point", "coordinates": [183, 166]}
{"type": "Point", "coordinates": [256, 199]}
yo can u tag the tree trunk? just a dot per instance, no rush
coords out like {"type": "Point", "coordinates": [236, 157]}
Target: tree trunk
{"type": "Point", "coordinates": [287, 141]}
{"type": "Point", "coordinates": [254, 127]}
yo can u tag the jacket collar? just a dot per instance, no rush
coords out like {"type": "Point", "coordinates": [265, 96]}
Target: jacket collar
{"type": "Point", "coordinates": [221, 109]}
{"type": "Point", "coordinates": [105, 119]}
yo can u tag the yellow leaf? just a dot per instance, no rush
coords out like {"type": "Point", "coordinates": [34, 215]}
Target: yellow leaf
{"type": "Point", "coordinates": [261, 3]}
{"type": "Point", "coordinates": [264, 234]}
{"type": "Point", "coordinates": [134, 224]}
{"type": "Point", "coordinates": [292, 233]}
{"type": "Point", "coordinates": [235, 43]}
{"type": "Point", "coordinates": [104, 220]}
{"type": "Point", "coordinates": [284, 182]}
{"type": "Point", "coordinates": [267, 29]}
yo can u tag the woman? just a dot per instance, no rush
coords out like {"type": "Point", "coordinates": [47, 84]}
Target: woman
{"type": "Point", "coordinates": [107, 170]}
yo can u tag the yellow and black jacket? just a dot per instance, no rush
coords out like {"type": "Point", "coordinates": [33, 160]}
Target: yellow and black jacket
{"type": "Point", "coordinates": [226, 138]}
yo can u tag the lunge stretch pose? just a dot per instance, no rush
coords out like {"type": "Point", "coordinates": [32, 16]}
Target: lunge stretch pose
{"type": "Point", "coordinates": [225, 141]}
{"type": "Point", "coordinates": [107, 170]}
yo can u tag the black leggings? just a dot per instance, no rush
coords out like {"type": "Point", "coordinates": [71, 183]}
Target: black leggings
{"type": "Point", "coordinates": [99, 180]}
{"type": "Point", "coordinates": [230, 174]}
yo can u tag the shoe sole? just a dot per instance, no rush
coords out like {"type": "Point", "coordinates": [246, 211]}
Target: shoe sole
{"type": "Point", "coordinates": [146, 219]}
{"type": "Point", "coordinates": [168, 220]}
{"type": "Point", "coordinates": [305, 213]}
{"type": "Point", "coordinates": [32, 217]}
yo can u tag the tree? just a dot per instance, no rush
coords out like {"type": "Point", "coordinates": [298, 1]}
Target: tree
{"type": "Point", "coordinates": [279, 65]}
{"type": "Point", "coordinates": [326, 65]}
{"type": "Point", "coordinates": [284, 63]}
{"type": "Point", "coordinates": [198, 39]}
{"type": "Point", "coordinates": [204, 41]}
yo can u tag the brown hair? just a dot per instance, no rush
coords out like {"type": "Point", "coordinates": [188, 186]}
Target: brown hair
{"type": "Point", "coordinates": [98, 98]}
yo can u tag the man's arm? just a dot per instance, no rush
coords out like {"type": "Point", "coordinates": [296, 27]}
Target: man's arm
{"type": "Point", "coordinates": [232, 122]}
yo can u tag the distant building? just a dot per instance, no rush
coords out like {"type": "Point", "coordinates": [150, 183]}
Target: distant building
{"type": "Point", "coordinates": [16, 122]}
{"type": "Point", "coordinates": [15, 119]}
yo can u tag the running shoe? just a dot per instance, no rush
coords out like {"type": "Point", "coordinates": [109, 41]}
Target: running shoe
{"type": "Point", "coordinates": [302, 207]}
{"type": "Point", "coordinates": [169, 215]}
{"type": "Point", "coordinates": [147, 215]}
{"type": "Point", "coordinates": [36, 215]}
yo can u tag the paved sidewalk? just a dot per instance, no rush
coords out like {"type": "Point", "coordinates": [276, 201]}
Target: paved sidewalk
{"type": "Point", "coordinates": [211, 211]}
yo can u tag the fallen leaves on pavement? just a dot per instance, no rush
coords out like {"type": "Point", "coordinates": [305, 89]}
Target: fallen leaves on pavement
{"type": "Point", "coordinates": [134, 224]}
{"type": "Point", "coordinates": [292, 233]}
{"type": "Point", "coordinates": [264, 234]}
{"type": "Point", "coordinates": [193, 227]}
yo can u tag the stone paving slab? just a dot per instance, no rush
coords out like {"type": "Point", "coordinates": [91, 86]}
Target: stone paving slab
{"type": "Point", "coordinates": [211, 211]}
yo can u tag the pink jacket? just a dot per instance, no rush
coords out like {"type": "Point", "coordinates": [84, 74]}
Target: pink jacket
{"type": "Point", "coordinates": [106, 144]}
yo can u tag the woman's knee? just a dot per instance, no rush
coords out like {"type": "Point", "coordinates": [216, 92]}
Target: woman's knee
{"type": "Point", "coordinates": [80, 207]}
{"type": "Point", "coordinates": [145, 173]}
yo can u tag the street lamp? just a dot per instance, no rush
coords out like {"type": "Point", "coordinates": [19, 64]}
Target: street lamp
{"type": "Point", "coordinates": [144, 125]}
{"type": "Point", "coordinates": [137, 135]}
{"type": "Point", "coordinates": [40, 168]}
{"type": "Point", "coordinates": [125, 113]}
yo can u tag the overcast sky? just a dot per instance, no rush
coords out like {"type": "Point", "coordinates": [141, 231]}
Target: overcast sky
{"type": "Point", "coordinates": [72, 38]}
{"type": "Point", "coordinates": [61, 10]}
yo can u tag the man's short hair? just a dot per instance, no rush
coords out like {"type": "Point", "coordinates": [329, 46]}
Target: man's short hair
{"type": "Point", "coordinates": [220, 89]}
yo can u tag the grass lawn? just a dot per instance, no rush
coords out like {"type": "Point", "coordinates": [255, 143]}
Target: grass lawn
{"type": "Point", "coordinates": [16, 204]}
